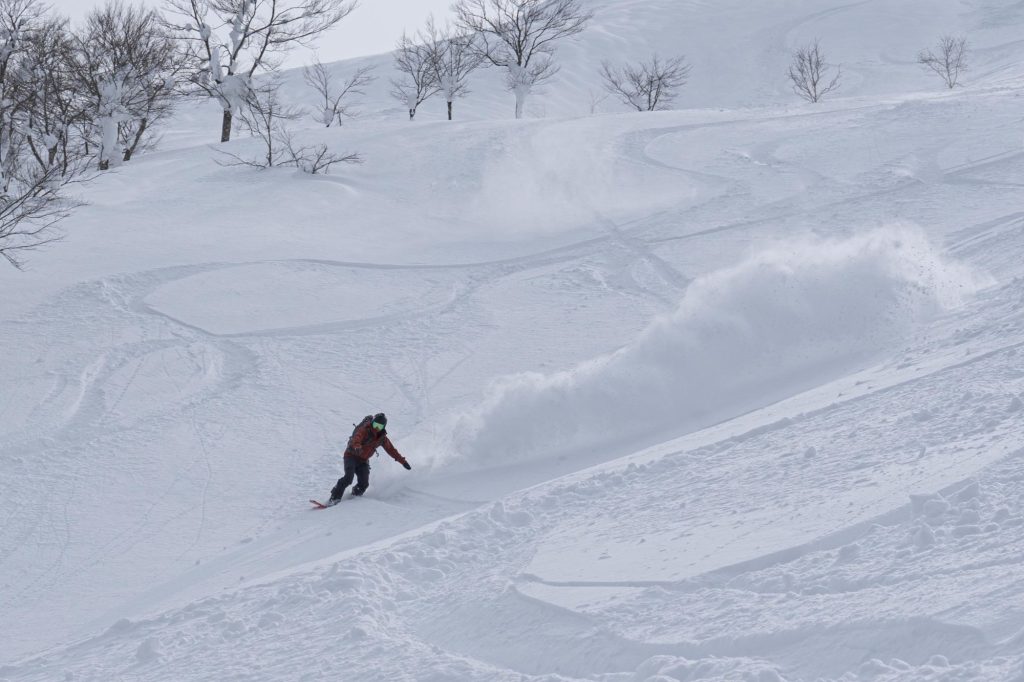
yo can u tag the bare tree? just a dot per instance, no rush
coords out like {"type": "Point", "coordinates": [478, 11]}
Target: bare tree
{"type": "Point", "coordinates": [55, 109]}
{"type": "Point", "coordinates": [128, 66]}
{"type": "Point", "coordinates": [453, 57]}
{"type": "Point", "coordinates": [520, 36]}
{"type": "Point", "coordinates": [415, 60]}
{"type": "Point", "coordinates": [949, 60]}
{"type": "Point", "coordinates": [809, 73]}
{"type": "Point", "coordinates": [260, 32]}
{"type": "Point", "coordinates": [32, 183]}
{"type": "Point", "coordinates": [332, 93]}
{"type": "Point", "coordinates": [648, 86]}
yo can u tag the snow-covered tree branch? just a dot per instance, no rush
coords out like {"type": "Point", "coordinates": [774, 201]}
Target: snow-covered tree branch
{"type": "Point", "coordinates": [520, 37]}
{"type": "Point", "coordinates": [234, 40]}
{"type": "Point", "coordinates": [129, 68]}
{"type": "Point", "coordinates": [56, 110]}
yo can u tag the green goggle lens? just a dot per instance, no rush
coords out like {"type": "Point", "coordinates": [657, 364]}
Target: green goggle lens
{"type": "Point", "coordinates": [378, 426]}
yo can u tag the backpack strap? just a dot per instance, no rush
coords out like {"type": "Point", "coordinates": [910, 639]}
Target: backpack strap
{"type": "Point", "coordinates": [363, 422]}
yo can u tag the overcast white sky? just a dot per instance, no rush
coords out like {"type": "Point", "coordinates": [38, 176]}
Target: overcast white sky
{"type": "Point", "coordinates": [373, 27]}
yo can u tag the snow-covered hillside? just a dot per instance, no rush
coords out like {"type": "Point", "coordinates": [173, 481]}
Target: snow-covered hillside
{"type": "Point", "coordinates": [740, 51]}
{"type": "Point", "coordinates": [727, 393]}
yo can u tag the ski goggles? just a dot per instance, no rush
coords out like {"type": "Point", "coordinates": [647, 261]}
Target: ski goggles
{"type": "Point", "coordinates": [378, 426]}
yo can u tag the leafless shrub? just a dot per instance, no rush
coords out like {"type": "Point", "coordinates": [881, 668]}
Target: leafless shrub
{"type": "Point", "coordinates": [648, 86]}
{"type": "Point", "coordinates": [809, 73]}
{"type": "Point", "coordinates": [948, 61]}
{"type": "Point", "coordinates": [314, 159]}
{"type": "Point", "coordinates": [333, 93]}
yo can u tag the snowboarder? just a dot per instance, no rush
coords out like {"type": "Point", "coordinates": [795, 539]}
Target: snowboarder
{"type": "Point", "coordinates": [370, 434]}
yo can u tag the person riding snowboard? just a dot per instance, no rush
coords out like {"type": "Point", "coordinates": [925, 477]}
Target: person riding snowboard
{"type": "Point", "coordinates": [370, 434]}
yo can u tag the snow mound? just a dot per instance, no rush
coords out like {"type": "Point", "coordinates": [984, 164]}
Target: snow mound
{"type": "Point", "coordinates": [784, 320]}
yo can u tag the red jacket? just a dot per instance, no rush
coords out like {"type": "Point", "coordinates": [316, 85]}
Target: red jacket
{"type": "Point", "coordinates": [365, 441]}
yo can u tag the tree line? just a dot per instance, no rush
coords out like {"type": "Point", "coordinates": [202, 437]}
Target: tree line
{"type": "Point", "coordinates": [80, 99]}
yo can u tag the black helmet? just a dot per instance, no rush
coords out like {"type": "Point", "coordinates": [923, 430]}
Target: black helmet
{"type": "Point", "coordinates": [380, 418]}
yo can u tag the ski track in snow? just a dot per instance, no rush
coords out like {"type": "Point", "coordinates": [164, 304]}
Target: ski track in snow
{"type": "Point", "coordinates": [159, 445]}
{"type": "Point", "coordinates": [578, 628]}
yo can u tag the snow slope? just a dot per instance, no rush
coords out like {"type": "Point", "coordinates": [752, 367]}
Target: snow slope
{"type": "Point", "coordinates": [728, 393]}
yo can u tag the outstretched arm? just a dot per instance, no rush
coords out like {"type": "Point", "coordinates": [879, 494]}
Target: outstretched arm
{"type": "Point", "coordinates": [390, 448]}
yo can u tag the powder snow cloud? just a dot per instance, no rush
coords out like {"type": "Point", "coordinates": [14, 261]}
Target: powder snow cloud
{"type": "Point", "coordinates": [785, 319]}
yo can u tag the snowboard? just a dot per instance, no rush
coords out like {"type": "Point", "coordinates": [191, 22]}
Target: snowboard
{"type": "Point", "coordinates": [320, 505]}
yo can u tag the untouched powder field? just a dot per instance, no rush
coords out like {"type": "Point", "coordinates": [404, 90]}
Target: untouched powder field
{"type": "Point", "coordinates": [733, 392]}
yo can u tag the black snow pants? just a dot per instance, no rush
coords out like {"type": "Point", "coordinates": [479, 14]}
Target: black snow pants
{"type": "Point", "coordinates": [354, 468]}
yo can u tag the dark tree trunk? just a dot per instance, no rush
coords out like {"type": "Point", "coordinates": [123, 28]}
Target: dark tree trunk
{"type": "Point", "coordinates": [143, 124]}
{"type": "Point", "coordinates": [64, 155]}
{"type": "Point", "coordinates": [450, 111]}
{"type": "Point", "coordinates": [225, 127]}
{"type": "Point", "coordinates": [35, 153]}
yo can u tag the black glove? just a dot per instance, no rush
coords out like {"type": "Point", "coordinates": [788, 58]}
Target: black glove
{"type": "Point", "coordinates": [406, 464]}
